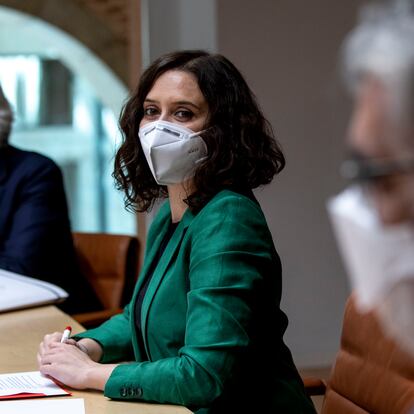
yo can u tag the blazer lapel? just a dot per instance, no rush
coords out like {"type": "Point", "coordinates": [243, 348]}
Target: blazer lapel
{"type": "Point", "coordinates": [161, 269]}
{"type": "Point", "coordinates": [152, 249]}
{"type": "Point", "coordinates": [149, 258]}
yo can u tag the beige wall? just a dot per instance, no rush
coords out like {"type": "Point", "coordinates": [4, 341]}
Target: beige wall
{"type": "Point", "coordinates": [177, 24]}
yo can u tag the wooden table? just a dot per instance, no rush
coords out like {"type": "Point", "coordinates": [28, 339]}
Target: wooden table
{"type": "Point", "coordinates": [20, 335]}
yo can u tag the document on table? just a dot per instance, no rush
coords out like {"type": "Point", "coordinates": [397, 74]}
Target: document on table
{"type": "Point", "coordinates": [65, 406]}
{"type": "Point", "coordinates": [28, 384]}
{"type": "Point", "coordinates": [18, 291]}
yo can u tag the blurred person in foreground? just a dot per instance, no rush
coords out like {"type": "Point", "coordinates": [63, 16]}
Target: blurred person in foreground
{"type": "Point", "coordinates": [35, 236]}
{"type": "Point", "coordinates": [374, 219]}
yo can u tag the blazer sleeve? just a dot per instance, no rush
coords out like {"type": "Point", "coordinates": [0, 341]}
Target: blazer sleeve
{"type": "Point", "coordinates": [230, 248]}
{"type": "Point", "coordinates": [114, 336]}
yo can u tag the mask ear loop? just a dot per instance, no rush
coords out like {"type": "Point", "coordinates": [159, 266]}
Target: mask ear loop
{"type": "Point", "coordinates": [203, 131]}
{"type": "Point", "coordinates": [200, 160]}
{"type": "Point", "coordinates": [198, 135]}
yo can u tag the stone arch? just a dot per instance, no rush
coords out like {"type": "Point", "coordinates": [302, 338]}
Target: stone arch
{"type": "Point", "coordinates": [103, 27]}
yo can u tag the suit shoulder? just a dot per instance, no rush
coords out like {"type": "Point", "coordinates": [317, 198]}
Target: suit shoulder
{"type": "Point", "coordinates": [30, 161]}
{"type": "Point", "coordinates": [32, 157]}
{"type": "Point", "coordinates": [232, 211]}
{"type": "Point", "coordinates": [232, 220]}
{"type": "Point", "coordinates": [230, 202]}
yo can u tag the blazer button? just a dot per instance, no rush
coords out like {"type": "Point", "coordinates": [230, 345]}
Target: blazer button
{"type": "Point", "coordinates": [138, 392]}
{"type": "Point", "coordinates": [123, 391]}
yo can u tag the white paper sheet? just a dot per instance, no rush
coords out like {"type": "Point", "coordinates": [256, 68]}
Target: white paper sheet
{"type": "Point", "coordinates": [18, 291]}
{"type": "Point", "coordinates": [44, 406]}
{"type": "Point", "coordinates": [28, 382]}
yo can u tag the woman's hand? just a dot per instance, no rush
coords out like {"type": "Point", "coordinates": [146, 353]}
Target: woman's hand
{"type": "Point", "coordinates": [88, 346]}
{"type": "Point", "coordinates": [48, 340]}
{"type": "Point", "coordinates": [69, 365]}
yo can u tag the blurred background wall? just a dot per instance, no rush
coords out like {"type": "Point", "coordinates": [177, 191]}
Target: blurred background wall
{"type": "Point", "coordinates": [288, 52]}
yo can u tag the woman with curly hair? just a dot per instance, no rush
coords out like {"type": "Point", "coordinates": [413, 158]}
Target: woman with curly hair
{"type": "Point", "coordinates": [204, 328]}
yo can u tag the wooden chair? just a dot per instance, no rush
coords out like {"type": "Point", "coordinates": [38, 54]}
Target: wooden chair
{"type": "Point", "coordinates": [314, 386]}
{"type": "Point", "coordinates": [371, 374]}
{"type": "Point", "coordinates": [110, 263]}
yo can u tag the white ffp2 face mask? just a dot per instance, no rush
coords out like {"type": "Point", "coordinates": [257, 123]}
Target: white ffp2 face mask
{"type": "Point", "coordinates": [172, 151]}
{"type": "Point", "coordinates": [379, 260]}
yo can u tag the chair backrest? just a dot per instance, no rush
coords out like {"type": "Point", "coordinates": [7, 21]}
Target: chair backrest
{"type": "Point", "coordinates": [371, 374]}
{"type": "Point", "coordinates": [110, 264]}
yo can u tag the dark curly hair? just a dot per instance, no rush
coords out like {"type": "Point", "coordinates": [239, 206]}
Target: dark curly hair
{"type": "Point", "coordinates": [242, 151]}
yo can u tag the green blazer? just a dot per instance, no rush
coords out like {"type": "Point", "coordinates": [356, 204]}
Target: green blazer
{"type": "Point", "coordinates": [211, 322]}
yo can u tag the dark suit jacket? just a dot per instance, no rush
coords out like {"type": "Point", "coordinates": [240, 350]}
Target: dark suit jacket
{"type": "Point", "coordinates": [211, 322]}
{"type": "Point", "coordinates": [35, 236]}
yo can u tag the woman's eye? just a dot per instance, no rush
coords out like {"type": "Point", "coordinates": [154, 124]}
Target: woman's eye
{"type": "Point", "coordinates": [184, 114]}
{"type": "Point", "coordinates": [150, 111]}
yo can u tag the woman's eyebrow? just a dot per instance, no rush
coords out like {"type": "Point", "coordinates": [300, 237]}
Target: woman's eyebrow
{"type": "Point", "coordinates": [187, 103]}
{"type": "Point", "coordinates": [150, 100]}
{"type": "Point", "coordinates": [181, 102]}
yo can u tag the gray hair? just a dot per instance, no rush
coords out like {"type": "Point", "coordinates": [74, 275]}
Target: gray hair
{"type": "Point", "coordinates": [382, 46]}
{"type": "Point", "coordinates": [6, 120]}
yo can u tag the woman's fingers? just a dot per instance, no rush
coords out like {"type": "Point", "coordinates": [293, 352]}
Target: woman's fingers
{"type": "Point", "coordinates": [48, 340]}
{"type": "Point", "coordinates": [51, 341]}
{"type": "Point", "coordinates": [54, 337]}
{"type": "Point", "coordinates": [67, 364]}
{"type": "Point", "coordinates": [49, 370]}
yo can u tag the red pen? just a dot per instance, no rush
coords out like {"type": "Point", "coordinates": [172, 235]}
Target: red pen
{"type": "Point", "coordinates": [66, 334]}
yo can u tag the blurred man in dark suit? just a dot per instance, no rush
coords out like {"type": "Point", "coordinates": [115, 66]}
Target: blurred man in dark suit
{"type": "Point", "coordinates": [35, 235]}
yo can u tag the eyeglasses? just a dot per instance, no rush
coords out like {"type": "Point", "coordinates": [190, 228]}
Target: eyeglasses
{"type": "Point", "coordinates": [359, 169]}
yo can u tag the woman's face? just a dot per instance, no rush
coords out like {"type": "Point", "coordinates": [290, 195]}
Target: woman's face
{"type": "Point", "coordinates": [176, 97]}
